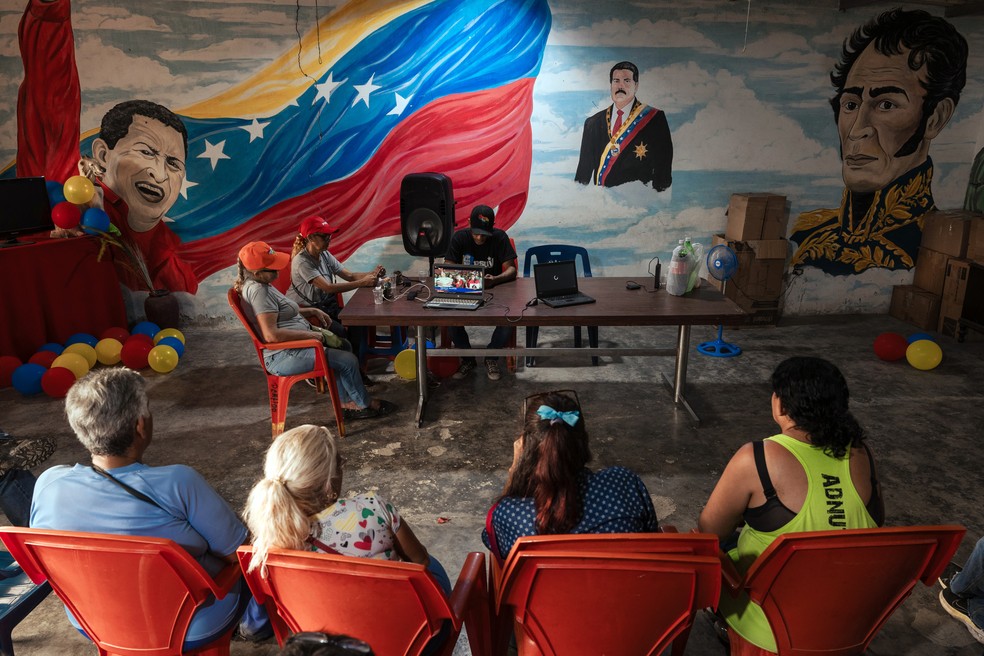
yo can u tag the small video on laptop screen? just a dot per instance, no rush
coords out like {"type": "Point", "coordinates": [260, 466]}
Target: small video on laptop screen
{"type": "Point", "coordinates": [451, 280]}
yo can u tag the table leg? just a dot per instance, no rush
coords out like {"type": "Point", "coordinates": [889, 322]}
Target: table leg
{"type": "Point", "coordinates": [680, 373]}
{"type": "Point", "coordinates": [421, 374]}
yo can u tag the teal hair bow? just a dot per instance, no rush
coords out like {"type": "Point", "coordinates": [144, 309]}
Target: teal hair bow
{"type": "Point", "coordinates": [570, 417]}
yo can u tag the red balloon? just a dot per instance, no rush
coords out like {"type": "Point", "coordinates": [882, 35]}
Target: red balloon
{"type": "Point", "coordinates": [135, 351]}
{"type": "Point", "coordinates": [57, 381]}
{"type": "Point", "coordinates": [890, 346]}
{"type": "Point", "coordinates": [43, 358]}
{"type": "Point", "coordinates": [140, 337]}
{"type": "Point", "coordinates": [443, 367]}
{"type": "Point", "coordinates": [65, 215]}
{"type": "Point", "coordinates": [7, 365]}
{"type": "Point", "coordinates": [119, 334]}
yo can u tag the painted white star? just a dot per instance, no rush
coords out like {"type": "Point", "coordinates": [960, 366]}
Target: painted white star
{"type": "Point", "coordinates": [255, 129]}
{"type": "Point", "coordinates": [401, 104]}
{"type": "Point", "coordinates": [365, 90]}
{"type": "Point", "coordinates": [325, 89]}
{"type": "Point", "coordinates": [185, 186]}
{"type": "Point", "coordinates": [214, 153]}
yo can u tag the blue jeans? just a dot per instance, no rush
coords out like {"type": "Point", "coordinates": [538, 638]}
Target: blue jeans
{"type": "Point", "coordinates": [969, 583]}
{"type": "Point", "coordinates": [500, 337]}
{"type": "Point", "coordinates": [344, 364]}
{"type": "Point", "coordinates": [16, 490]}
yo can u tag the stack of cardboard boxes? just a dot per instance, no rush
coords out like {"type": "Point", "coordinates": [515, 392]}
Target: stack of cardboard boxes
{"type": "Point", "coordinates": [755, 230]}
{"type": "Point", "coordinates": [949, 279]}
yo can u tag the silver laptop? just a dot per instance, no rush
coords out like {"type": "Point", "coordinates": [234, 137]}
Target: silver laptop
{"type": "Point", "coordinates": [458, 287]}
{"type": "Point", "coordinates": [556, 284]}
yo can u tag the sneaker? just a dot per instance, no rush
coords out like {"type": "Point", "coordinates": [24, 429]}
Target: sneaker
{"type": "Point", "coordinates": [492, 369]}
{"type": "Point", "coordinates": [466, 368]}
{"type": "Point", "coordinates": [949, 572]}
{"type": "Point", "coordinates": [956, 607]}
{"type": "Point", "coordinates": [243, 633]}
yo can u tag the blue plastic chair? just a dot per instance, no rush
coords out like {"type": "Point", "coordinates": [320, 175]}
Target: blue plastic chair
{"type": "Point", "coordinates": [18, 597]}
{"type": "Point", "coordinates": [558, 253]}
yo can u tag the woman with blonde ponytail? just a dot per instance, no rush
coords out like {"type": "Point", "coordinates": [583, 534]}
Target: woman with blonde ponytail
{"type": "Point", "coordinates": [550, 490]}
{"type": "Point", "coordinates": [297, 505]}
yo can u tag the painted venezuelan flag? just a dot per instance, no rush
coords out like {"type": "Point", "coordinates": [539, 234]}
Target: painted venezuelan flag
{"type": "Point", "coordinates": [401, 87]}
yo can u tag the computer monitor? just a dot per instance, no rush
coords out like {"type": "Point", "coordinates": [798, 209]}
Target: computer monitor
{"type": "Point", "coordinates": [24, 209]}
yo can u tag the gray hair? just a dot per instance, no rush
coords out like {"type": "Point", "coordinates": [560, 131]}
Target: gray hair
{"type": "Point", "coordinates": [103, 408]}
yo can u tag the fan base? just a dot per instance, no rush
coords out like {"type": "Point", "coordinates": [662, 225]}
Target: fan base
{"type": "Point", "coordinates": [718, 349]}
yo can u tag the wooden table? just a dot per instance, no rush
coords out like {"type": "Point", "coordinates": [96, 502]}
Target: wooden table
{"type": "Point", "coordinates": [615, 306]}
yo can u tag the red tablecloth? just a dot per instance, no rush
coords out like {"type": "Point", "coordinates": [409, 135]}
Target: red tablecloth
{"type": "Point", "coordinates": [54, 288]}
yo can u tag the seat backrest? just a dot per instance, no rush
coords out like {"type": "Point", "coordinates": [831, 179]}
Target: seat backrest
{"type": "Point", "coordinates": [131, 594]}
{"type": "Point", "coordinates": [557, 253]}
{"type": "Point", "coordinates": [855, 580]}
{"type": "Point", "coordinates": [236, 303]}
{"type": "Point", "coordinates": [395, 607]}
{"type": "Point", "coordinates": [624, 603]}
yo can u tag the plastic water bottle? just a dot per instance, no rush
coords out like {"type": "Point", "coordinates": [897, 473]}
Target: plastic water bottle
{"type": "Point", "coordinates": [377, 293]}
{"type": "Point", "coordinates": [679, 274]}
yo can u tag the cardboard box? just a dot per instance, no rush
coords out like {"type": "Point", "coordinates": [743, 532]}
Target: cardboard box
{"type": "Point", "coordinates": [975, 241]}
{"type": "Point", "coordinates": [760, 312]}
{"type": "Point", "coordinates": [948, 231]}
{"type": "Point", "coordinates": [916, 306]}
{"type": "Point", "coordinates": [955, 281]}
{"type": "Point", "coordinates": [756, 216]}
{"type": "Point", "coordinates": [930, 270]}
{"type": "Point", "coordinates": [949, 315]}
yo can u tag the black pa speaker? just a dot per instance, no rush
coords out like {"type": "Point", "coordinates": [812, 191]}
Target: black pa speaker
{"type": "Point", "coordinates": [426, 213]}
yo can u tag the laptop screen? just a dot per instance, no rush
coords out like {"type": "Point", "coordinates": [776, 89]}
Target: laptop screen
{"type": "Point", "coordinates": [459, 280]}
{"type": "Point", "coordinates": [555, 278]}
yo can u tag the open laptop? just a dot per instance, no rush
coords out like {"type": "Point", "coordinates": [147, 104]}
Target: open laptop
{"type": "Point", "coordinates": [556, 284]}
{"type": "Point", "coordinates": [458, 287]}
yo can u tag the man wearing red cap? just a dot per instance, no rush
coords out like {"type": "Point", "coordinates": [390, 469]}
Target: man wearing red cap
{"type": "Point", "coordinates": [484, 245]}
{"type": "Point", "coordinates": [313, 272]}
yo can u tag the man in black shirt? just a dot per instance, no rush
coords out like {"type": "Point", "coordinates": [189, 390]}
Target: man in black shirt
{"type": "Point", "coordinates": [483, 244]}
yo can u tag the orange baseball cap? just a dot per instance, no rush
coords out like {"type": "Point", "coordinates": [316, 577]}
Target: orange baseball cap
{"type": "Point", "coordinates": [258, 255]}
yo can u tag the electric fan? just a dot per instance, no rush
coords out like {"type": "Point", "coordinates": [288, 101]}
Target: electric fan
{"type": "Point", "coordinates": [722, 264]}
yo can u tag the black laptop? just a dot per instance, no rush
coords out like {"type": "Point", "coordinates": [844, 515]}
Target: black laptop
{"type": "Point", "coordinates": [556, 284]}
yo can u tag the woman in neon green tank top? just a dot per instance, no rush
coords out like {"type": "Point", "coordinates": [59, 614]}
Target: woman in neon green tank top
{"type": "Point", "coordinates": [784, 484]}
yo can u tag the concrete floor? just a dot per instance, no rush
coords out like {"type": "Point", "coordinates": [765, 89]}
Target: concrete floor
{"type": "Point", "coordinates": [924, 428]}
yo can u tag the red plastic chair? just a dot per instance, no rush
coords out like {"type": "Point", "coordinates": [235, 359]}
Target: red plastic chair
{"type": "Point", "coordinates": [830, 592]}
{"type": "Point", "coordinates": [585, 602]}
{"type": "Point", "coordinates": [279, 386]}
{"type": "Point", "coordinates": [395, 607]}
{"type": "Point", "coordinates": [133, 595]}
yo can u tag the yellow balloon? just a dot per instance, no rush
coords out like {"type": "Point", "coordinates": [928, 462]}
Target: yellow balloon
{"type": "Point", "coordinates": [169, 332]}
{"type": "Point", "coordinates": [85, 351]}
{"type": "Point", "coordinates": [924, 354]}
{"type": "Point", "coordinates": [79, 190]}
{"type": "Point", "coordinates": [73, 362]}
{"type": "Point", "coordinates": [162, 359]}
{"type": "Point", "coordinates": [405, 364]}
{"type": "Point", "coordinates": [108, 350]}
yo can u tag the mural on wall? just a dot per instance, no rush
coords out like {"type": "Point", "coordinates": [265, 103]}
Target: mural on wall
{"type": "Point", "coordinates": [399, 87]}
{"type": "Point", "coordinates": [897, 85]}
{"type": "Point", "coordinates": [975, 188]}
{"type": "Point", "coordinates": [628, 141]}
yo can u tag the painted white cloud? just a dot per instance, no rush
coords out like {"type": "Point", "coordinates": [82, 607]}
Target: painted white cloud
{"type": "Point", "coordinates": [91, 16]}
{"type": "Point", "coordinates": [635, 34]}
{"type": "Point", "coordinates": [816, 292]}
{"type": "Point", "coordinates": [256, 51]}
{"type": "Point", "coordinates": [126, 72]}
{"type": "Point", "coordinates": [235, 14]}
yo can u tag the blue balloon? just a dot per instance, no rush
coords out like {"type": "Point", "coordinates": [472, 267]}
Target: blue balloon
{"type": "Point", "coordinates": [55, 193]}
{"type": "Point", "coordinates": [27, 378]}
{"type": "Point", "coordinates": [174, 343]}
{"type": "Point", "coordinates": [54, 348]}
{"type": "Point", "coordinates": [82, 338]}
{"type": "Point", "coordinates": [95, 218]}
{"type": "Point", "coordinates": [915, 337]}
{"type": "Point", "coordinates": [148, 328]}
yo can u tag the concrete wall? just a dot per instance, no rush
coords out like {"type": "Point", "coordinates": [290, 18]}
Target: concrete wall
{"type": "Point", "coordinates": [745, 91]}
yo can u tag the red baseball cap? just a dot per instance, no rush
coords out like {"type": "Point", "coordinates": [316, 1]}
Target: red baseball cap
{"type": "Point", "coordinates": [258, 255]}
{"type": "Point", "coordinates": [316, 225]}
